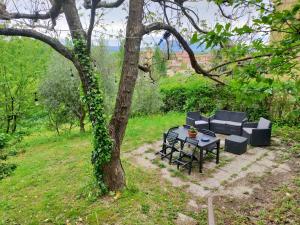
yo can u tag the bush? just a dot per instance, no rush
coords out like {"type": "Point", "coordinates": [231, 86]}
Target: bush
{"type": "Point", "coordinates": [3, 140]}
{"type": "Point", "coordinates": [182, 93]}
{"type": "Point", "coordinates": [275, 100]}
{"type": "Point", "coordinates": [6, 169]}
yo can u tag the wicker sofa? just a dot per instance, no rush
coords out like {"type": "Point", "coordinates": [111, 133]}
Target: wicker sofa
{"type": "Point", "coordinates": [196, 120]}
{"type": "Point", "coordinates": [227, 122]}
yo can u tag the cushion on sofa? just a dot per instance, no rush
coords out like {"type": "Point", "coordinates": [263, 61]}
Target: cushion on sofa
{"type": "Point", "coordinates": [218, 121]}
{"type": "Point", "coordinates": [222, 115]}
{"type": "Point", "coordinates": [237, 116]}
{"type": "Point", "coordinates": [248, 130]}
{"type": "Point", "coordinates": [263, 123]}
{"type": "Point", "coordinates": [230, 116]}
{"type": "Point", "coordinates": [233, 123]}
{"type": "Point", "coordinates": [199, 122]}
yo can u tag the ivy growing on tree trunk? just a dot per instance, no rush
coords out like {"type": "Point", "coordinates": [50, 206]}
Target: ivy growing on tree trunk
{"type": "Point", "coordinates": [102, 143]}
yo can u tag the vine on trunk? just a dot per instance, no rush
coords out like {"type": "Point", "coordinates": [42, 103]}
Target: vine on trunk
{"type": "Point", "coordinates": [103, 144]}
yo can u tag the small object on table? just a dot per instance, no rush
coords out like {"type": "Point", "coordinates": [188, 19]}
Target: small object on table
{"type": "Point", "coordinates": [192, 132]}
{"type": "Point", "coordinates": [236, 144]}
{"type": "Point", "coordinates": [205, 139]}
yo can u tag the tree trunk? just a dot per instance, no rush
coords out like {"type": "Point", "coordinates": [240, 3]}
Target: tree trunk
{"type": "Point", "coordinates": [81, 120]}
{"type": "Point", "coordinates": [111, 171]}
{"type": "Point", "coordinates": [114, 175]}
{"type": "Point", "coordinates": [8, 124]}
{"type": "Point", "coordinates": [14, 125]}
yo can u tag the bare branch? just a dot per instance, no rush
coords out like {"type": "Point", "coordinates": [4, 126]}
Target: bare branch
{"type": "Point", "coordinates": [223, 13]}
{"type": "Point", "coordinates": [92, 24]}
{"type": "Point", "coordinates": [103, 4]}
{"type": "Point", "coordinates": [238, 60]}
{"type": "Point", "coordinates": [249, 58]}
{"type": "Point", "coordinates": [52, 14]}
{"type": "Point", "coordinates": [55, 44]}
{"type": "Point", "coordinates": [198, 69]}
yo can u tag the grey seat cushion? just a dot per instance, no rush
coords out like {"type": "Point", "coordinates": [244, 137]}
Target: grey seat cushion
{"type": "Point", "coordinates": [248, 130]}
{"type": "Point", "coordinates": [236, 138]}
{"type": "Point", "coordinates": [218, 121]}
{"type": "Point", "coordinates": [200, 122]}
{"type": "Point", "coordinates": [263, 123]}
{"type": "Point", "coordinates": [227, 122]}
{"type": "Point", "coordinates": [233, 123]}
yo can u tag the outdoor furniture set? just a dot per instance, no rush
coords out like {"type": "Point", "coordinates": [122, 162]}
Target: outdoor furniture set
{"type": "Point", "coordinates": [205, 142]}
{"type": "Point", "coordinates": [233, 123]}
{"type": "Point", "coordinates": [190, 149]}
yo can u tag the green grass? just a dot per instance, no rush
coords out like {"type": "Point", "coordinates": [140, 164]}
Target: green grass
{"type": "Point", "coordinates": [53, 183]}
{"type": "Point", "coordinates": [143, 130]}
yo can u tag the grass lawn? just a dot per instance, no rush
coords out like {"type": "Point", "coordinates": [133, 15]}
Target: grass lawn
{"type": "Point", "coordinates": [53, 183]}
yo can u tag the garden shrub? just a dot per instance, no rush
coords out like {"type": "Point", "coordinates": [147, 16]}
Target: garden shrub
{"type": "Point", "coordinates": [3, 140]}
{"type": "Point", "coordinates": [6, 169]}
{"type": "Point", "coordinates": [189, 93]}
{"type": "Point", "coordinates": [273, 99]}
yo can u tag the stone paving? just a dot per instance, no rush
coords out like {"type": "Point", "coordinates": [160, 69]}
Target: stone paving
{"type": "Point", "coordinates": [231, 177]}
{"type": "Point", "coordinates": [215, 179]}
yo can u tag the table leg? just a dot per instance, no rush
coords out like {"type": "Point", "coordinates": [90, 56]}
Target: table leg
{"type": "Point", "coordinates": [181, 145]}
{"type": "Point", "coordinates": [201, 160]}
{"type": "Point", "coordinates": [218, 152]}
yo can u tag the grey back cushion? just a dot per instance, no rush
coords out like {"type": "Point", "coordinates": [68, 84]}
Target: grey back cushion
{"type": "Point", "coordinates": [230, 116]}
{"type": "Point", "coordinates": [222, 115]}
{"type": "Point", "coordinates": [237, 116]}
{"type": "Point", "coordinates": [263, 123]}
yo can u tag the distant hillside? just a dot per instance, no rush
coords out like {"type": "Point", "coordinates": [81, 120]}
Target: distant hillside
{"type": "Point", "coordinates": [174, 47]}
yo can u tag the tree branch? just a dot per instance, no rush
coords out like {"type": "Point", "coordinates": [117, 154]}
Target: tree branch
{"type": "Point", "coordinates": [103, 4]}
{"type": "Point", "coordinates": [223, 13]}
{"type": "Point", "coordinates": [92, 24]}
{"type": "Point", "coordinates": [52, 14]}
{"type": "Point", "coordinates": [55, 44]}
{"type": "Point", "coordinates": [198, 69]}
{"type": "Point", "coordinates": [238, 60]}
{"type": "Point", "coordinates": [250, 58]}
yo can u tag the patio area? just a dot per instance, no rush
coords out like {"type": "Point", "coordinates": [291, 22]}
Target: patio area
{"type": "Point", "coordinates": [216, 179]}
{"type": "Point", "coordinates": [239, 182]}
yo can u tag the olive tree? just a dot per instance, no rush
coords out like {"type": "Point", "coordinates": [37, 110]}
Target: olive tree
{"type": "Point", "coordinates": [60, 92]}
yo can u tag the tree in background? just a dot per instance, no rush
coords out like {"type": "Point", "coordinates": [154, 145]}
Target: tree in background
{"type": "Point", "coordinates": [60, 92]}
{"type": "Point", "coordinates": [107, 66]}
{"type": "Point", "coordinates": [159, 63]}
{"type": "Point", "coordinates": [22, 64]}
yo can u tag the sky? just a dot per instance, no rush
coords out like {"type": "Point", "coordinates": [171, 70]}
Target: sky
{"type": "Point", "coordinates": [113, 21]}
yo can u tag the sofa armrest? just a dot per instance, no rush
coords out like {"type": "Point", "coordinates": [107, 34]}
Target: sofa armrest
{"type": "Point", "coordinates": [245, 120]}
{"type": "Point", "coordinates": [250, 124]}
{"type": "Point", "coordinates": [261, 137]}
{"type": "Point", "coordinates": [190, 121]}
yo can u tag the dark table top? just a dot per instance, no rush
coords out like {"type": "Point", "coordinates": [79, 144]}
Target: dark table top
{"type": "Point", "coordinates": [183, 133]}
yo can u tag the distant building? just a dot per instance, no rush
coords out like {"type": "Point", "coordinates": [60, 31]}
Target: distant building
{"type": "Point", "coordinates": [180, 62]}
